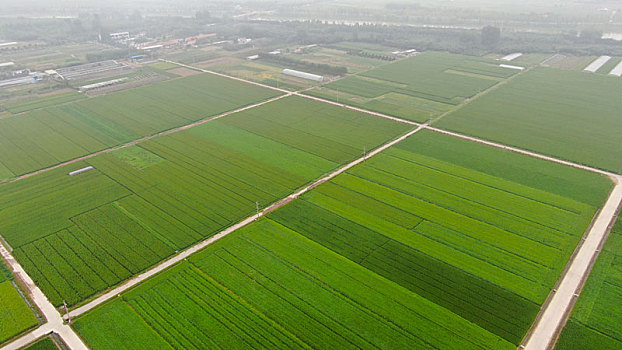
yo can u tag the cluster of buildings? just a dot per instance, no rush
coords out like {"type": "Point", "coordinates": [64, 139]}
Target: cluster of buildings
{"type": "Point", "coordinates": [126, 39]}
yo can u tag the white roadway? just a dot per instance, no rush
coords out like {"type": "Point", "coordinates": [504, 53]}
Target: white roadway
{"type": "Point", "coordinates": [553, 318]}
{"type": "Point", "coordinates": [541, 337]}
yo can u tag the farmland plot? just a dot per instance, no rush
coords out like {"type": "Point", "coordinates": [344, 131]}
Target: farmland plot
{"type": "Point", "coordinates": [596, 320]}
{"type": "Point", "coordinates": [49, 136]}
{"type": "Point", "coordinates": [42, 102]}
{"type": "Point", "coordinates": [484, 246]}
{"type": "Point", "coordinates": [15, 315]}
{"type": "Point", "coordinates": [566, 114]}
{"type": "Point", "coordinates": [417, 88]}
{"type": "Point", "coordinates": [79, 235]}
{"type": "Point", "coordinates": [268, 287]}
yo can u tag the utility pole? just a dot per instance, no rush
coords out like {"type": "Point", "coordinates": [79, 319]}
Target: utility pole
{"type": "Point", "coordinates": [364, 153]}
{"type": "Point", "coordinates": [67, 312]}
{"type": "Point", "coordinates": [257, 207]}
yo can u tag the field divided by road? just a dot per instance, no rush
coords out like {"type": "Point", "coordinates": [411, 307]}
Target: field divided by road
{"type": "Point", "coordinates": [78, 235]}
{"type": "Point", "coordinates": [410, 248]}
{"type": "Point", "coordinates": [565, 114]}
{"type": "Point", "coordinates": [487, 247]}
{"type": "Point", "coordinates": [266, 286]}
{"type": "Point", "coordinates": [417, 88]}
{"type": "Point", "coordinates": [596, 322]}
{"type": "Point", "coordinates": [49, 136]}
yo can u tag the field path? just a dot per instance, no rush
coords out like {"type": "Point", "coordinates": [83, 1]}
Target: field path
{"type": "Point", "coordinates": [556, 312]}
{"type": "Point", "coordinates": [54, 323]}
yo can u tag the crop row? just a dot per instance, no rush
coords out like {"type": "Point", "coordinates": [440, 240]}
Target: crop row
{"type": "Point", "coordinates": [104, 248]}
{"type": "Point", "coordinates": [496, 309]}
{"type": "Point", "coordinates": [564, 187]}
{"type": "Point", "coordinates": [330, 297]}
{"type": "Point", "coordinates": [268, 286]}
{"type": "Point", "coordinates": [581, 124]}
{"type": "Point", "coordinates": [189, 311]}
{"type": "Point", "coordinates": [596, 320]}
{"type": "Point", "coordinates": [426, 75]}
{"type": "Point", "coordinates": [15, 315]}
{"type": "Point", "coordinates": [287, 160]}
{"type": "Point", "coordinates": [533, 255]}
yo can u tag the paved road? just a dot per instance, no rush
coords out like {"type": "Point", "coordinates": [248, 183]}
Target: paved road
{"type": "Point", "coordinates": [49, 312]}
{"type": "Point", "coordinates": [554, 315]}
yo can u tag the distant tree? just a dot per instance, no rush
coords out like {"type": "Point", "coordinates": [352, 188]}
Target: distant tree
{"type": "Point", "coordinates": [136, 16]}
{"type": "Point", "coordinates": [203, 16]}
{"type": "Point", "coordinates": [491, 36]}
{"type": "Point", "coordinates": [591, 35]}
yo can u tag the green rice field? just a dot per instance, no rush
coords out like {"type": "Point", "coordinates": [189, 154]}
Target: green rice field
{"type": "Point", "coordinates": [566, 114]}
{"type": "Point", "coordinates": [596, 322]}
{"type": "Point", "coordinates": [79, 235]}
{"type": "Point", "coordinates": [15, 316]}
{"type": "Point", "coordinates": [269, 287]}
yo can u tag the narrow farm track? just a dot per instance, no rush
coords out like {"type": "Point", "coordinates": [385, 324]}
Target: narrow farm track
{"type": "Point", "coordinates": [55, 323]}
{"type": "Point", "coordinates": [186, 253]}
{"type": "Point", "coordinates": [554, 316]}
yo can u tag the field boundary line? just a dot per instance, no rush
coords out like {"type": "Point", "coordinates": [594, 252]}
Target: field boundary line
{"type": "Point", "coordinates": [54, 324]}
{"type": "Point", "coordinates": [146, 138]}
{"type": "Point", "coordinates": [136, 280]}
{"type": "Point", "coordinates": [556, 312]}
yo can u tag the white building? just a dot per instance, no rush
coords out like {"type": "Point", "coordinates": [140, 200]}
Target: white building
{"type": "Point", "coordinates": [303, 75]}
{"type": "Point", "coordinates": [120, 36]}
